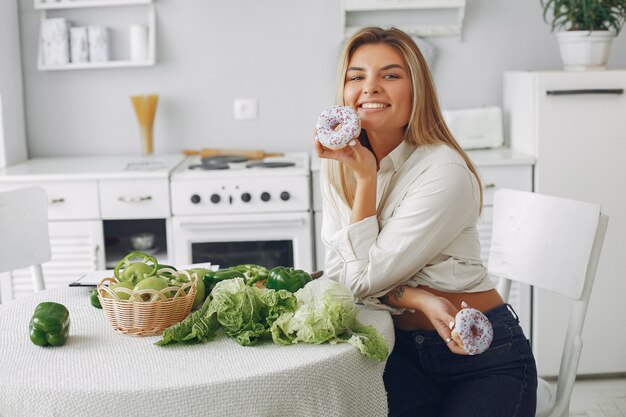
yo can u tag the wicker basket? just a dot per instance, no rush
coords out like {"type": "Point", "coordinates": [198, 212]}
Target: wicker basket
{"type": "Point", "coordinates": [137, 317]}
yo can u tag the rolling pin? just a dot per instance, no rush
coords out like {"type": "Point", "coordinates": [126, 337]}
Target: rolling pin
{"type": "Point", "coordinates": [250, 154]}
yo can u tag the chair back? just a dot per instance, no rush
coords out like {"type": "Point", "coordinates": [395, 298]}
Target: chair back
{"type": "Point", "coordinates": [24, 238]}
{"type": "Point", "coordinates": [555, 244]}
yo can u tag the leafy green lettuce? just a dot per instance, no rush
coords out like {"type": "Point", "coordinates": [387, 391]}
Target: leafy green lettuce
{"type": "Point", "coordinates": [245, 313]}
{"type": "Point", "coordinates": [323, 311]}
{"type": "Point", "coordinates": [326, 312]}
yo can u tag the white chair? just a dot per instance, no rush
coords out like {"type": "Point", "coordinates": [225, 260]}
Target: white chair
{"type": "Point", "coordinates": [555, 244]}
{"type": "Point", "coordinates": [24, 238]}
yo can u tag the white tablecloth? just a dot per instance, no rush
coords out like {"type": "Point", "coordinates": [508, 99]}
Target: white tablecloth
{"type": "Point", "coordinates": [100, 372]}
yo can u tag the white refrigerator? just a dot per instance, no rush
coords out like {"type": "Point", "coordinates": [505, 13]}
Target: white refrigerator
{"type": "Point", "coordinates": [574, 123]}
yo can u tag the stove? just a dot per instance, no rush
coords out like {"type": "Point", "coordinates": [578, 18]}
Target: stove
{"type": "Point", "coordinates": [233, 184]}
{"type": "Point", "coordinates": [230, 211]}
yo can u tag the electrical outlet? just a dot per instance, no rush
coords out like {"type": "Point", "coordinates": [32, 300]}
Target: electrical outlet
{"type": "Point", "coordinates": [246, 108]}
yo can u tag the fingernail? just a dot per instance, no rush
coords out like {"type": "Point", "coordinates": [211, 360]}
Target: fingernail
{"type": "Point", "coordinates": [352, 143]}
{"type": "Point", "coordinates": [451, 325]}
{"type": "Point", "coordinates": [464, 304]}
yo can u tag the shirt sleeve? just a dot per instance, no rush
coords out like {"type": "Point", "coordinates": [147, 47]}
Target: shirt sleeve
{"type": "Point", "coordinates": [371, 260]}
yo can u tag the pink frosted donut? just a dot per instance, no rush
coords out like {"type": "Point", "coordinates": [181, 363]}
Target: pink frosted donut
{"type": "Point", "coordinates": [331, 117]}
{"type": "Point", "coordinates": [472, 331]}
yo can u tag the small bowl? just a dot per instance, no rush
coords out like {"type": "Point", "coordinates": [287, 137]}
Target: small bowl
{"type": "Point", "coordinates": [142, 241]}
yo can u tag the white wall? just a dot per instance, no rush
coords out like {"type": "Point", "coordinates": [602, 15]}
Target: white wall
{"type": "Point", "coordinates": [12, 135]}
{"type": "Point", "coordinates": [281, 52]}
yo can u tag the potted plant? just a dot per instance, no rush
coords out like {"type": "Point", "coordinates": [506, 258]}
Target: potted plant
{"type": "Point", "coordinates": [585, 30]}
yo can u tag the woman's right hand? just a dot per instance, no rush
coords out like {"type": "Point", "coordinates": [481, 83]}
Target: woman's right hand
{"type": "Point", "coordinates": [441, 312]}
{"type": "Point", "coordinates": [356, 156]}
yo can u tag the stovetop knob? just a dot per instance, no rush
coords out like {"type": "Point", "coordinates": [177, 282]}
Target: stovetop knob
{"type": "Point", "coordinates": [246, 197]}
{"type": "Point", "coordinates": [195, 199]}
{"type": "Point", "coordinates": [265, 196]}
{"type": "Point", "coordinates": [215, 198]}
{"type": "Point", "coordinates": [285, 195]}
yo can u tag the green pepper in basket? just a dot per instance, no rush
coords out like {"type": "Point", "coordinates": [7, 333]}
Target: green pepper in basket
{"type": "Point", "coordinates": [95, 301]}
{"type": "Point", "coordinates": [50, 324]}
{"type": "Point", "coordinates": [284, 278]}
{"type": "Point", "coordinates": [127, 270]}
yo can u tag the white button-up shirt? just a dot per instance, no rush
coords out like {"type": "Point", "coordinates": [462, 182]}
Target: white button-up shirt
{"type": "Point", "coordinates": [424, 231]}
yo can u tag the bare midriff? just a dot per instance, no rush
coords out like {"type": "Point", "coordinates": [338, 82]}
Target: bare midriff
{"type": "Point", "coordinates": [483, 301]}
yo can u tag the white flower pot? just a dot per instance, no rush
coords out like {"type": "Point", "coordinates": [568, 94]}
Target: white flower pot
{"type": "Point", "coordinates": [585, 51]}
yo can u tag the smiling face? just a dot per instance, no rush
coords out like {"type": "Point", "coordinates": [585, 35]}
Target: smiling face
{"type": "Point", "coordinates": [378, 86]}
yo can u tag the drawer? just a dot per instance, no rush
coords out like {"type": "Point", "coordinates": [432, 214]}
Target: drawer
{"type": "Point", "coordinates": [517, 177]}
{"type": "Point", "coordinates": [67, 200]}
{"type": "Point", "coordinates": [136, 199]}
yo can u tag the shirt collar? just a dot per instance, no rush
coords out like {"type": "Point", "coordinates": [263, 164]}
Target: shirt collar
{"type": "Point", "coordinates": [397, 157]}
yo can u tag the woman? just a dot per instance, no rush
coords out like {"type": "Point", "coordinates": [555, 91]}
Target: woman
{"type": "Point", "coordinates": [400, 204]}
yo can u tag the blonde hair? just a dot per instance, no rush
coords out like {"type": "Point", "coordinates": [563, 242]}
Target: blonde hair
{"type": "Point", "coordinates": [426, 125]}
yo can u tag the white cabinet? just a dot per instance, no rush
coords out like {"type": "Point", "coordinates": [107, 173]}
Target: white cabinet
{"type": "Point", "coordinates": [94, 205]}
{"type": "Point", "coordinates": [416, 17]}
{"type": "Point", "coordinates": [76, 247]}
{"type": "Point", "coordinates": [573, 123]}
{"type": "Point", "coordinates": [117, 15]}
{"type": "Point", "coordinates": [76, 239]}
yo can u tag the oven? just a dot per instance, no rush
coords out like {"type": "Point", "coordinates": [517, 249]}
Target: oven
{"type": "Point", "coordinates": [244, 212]}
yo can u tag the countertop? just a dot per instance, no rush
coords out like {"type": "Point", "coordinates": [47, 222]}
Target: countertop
{"type": "Point", "coordinates": [481, 157]}
{"type": "Point", "coordinates": [92, 167]}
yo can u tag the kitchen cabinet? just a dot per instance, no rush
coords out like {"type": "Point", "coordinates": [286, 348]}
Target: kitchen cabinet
{"type": "Point", "coordinates": [498, 168]}
{"type": "Point", "coordinates": [117, 15]}
{"type": "Point", "coordinates": [95, 205]}
{"type": "Point", "coordinates": [415, 17]}
{"type": "Point", "coordinates": [76, 247]}
{"type": "Point", "coordinates": [76, 239]}
{"type": "Point", "coordinates": [573, 124]}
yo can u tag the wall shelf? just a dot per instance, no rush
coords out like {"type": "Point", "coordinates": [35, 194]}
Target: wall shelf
{"type": "Point", "coordinates": [64, 5]}
{"type": "Point", "coordinates": [423, 18]}
{"type": "Point", "coordinates": [50, 5]}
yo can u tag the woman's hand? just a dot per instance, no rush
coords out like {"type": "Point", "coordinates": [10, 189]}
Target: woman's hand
{"type": "Point", "coordinates": [441, 314]}
{"type": "Point", "coordinates": [356, 156]}
{"type": "Point", "coordinates": [438, 310]}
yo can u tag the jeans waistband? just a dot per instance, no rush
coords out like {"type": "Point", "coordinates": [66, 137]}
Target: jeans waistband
{"type": "Point", "coordinates": [498, 314]}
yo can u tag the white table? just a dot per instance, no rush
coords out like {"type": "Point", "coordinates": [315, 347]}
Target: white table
{"type": "Point", "coordinates": [100, 372]}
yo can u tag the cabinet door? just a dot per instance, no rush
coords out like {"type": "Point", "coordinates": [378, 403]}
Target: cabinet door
{"type": "Point", "coordinates": [77, 248]}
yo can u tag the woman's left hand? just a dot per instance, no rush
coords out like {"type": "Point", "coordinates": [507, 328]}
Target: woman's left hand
{"type": "Point", "coordinates": [441, 312]}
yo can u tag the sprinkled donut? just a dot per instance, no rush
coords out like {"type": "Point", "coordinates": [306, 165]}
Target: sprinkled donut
{"type": "Point", "coordinates": [472, 331]}
{"type": "Point", "coordinates": [349, 126]}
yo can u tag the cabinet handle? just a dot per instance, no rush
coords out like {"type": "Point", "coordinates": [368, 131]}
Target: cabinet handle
{"type": "Point", "coordinates": [56, 201]}
{"type": "Point", "coordinates": [617, 91]}
{"type": "Point", "coordinates": [124, 199]}
{"type": "Point", "coordinates": [489, 185]}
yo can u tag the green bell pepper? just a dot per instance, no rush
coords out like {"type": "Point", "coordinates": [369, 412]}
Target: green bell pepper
{"type": "Point", "coordinates": [50, 324]}
{"type": "Point", "coordinates": [252, 273]}
{"type": "Point", "coordinates": [284, 278]}
{"type": "Point", "coordinates": [127, 270]}
{"type": "Point", "coordinates": [95, 301]}
{"type": "Point", "coordinates": [213, 277]}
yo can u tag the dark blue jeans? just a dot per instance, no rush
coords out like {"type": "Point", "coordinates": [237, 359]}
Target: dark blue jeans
{"type": "Point", "coordinates": [423, 378]}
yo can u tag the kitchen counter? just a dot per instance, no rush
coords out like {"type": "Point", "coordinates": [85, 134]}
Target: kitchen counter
{"type": "Point", "coordinates": [92, 168]}
{"type": "Point", "coordinates": [485, 157]}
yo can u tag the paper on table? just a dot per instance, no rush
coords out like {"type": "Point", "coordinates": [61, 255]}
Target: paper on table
{"type": "Point", "coordinates": [93, 278]}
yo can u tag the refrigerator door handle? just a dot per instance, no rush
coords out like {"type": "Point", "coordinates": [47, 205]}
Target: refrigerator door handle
{"type": "Point", "coordinates": [617, 91]}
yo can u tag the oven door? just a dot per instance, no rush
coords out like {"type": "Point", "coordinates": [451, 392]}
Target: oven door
{"type": "Point", "coordinates": [264, 239]}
